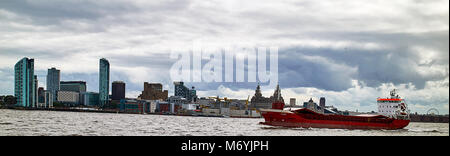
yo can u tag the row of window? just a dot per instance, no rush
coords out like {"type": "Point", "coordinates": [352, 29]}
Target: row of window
{"type": "Point", "coordinates": [387, 106]}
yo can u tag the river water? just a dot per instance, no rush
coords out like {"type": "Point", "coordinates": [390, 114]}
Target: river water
{"type": "Point", "coordinates": [49, 123]}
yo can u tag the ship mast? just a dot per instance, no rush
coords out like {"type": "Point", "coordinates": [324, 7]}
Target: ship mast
{"type": "Point", "coordinates": [279, 92]}
{"type": "Point", "coordinates": [394, 93]}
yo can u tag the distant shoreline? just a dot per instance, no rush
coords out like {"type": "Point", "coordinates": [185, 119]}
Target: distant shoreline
{"type": "Point", "coordinates": [103, 111]}
{"type": "Point", "coordinates": [75, 110]}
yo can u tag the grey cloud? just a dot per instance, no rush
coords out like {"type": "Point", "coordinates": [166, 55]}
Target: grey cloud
{"type": "Point", "coordinates": [32, 53]}
{"type": "Point", "coordinates": [53, 9]}
{"type": "Point", "coordinates": [296, 71]}
{"type": "Point", "coordinates": [388, 65]}
{"type": "Point", "coordinates": [150, 60]}
{"type": "Point", "coordinates": [98, 16]}
{"type": "Point", "coordinates": [6, 81]}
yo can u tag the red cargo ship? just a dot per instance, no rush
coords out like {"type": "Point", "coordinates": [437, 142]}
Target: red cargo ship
{"type": "Point", "coordinates": [393, 114]}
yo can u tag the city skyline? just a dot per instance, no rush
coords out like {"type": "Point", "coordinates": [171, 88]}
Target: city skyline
{"type": "Point", "coordinates": [349, 58]}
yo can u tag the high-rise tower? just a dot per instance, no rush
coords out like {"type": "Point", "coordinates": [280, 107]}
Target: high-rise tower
{"type": "Point", "coordinates": [53, 82]}
{"type": "Point", "coordinates": [104, 82]}
{"type": "Point", "coordinates": [24, 83]}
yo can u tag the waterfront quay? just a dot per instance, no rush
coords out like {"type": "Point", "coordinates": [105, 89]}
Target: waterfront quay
{"type": "Point", "coordinates": [118, 111]}
{"type": "Point", "coordinates": [429, 118]}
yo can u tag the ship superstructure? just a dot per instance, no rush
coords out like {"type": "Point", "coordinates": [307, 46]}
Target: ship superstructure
{"type": "Point", "coordinates": [393, 107]}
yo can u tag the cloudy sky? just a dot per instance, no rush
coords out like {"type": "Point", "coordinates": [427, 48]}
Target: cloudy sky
{"type": "Point", "coordinates": [349, 51]}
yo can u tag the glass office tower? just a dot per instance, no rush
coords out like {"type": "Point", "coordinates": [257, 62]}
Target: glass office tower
{"type": "Point", "coordinates": [104, 82]}
{"type": "Point", "coordinates": [24, 83]}
{"type": "Point", "coordinates": [53, 82]}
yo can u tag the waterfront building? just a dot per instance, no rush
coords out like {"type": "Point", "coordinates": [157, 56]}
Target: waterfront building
{"type": "Point", "coordinates": [322, 102]}
{"type": "Point", "coordinates": [104, 72]}
{"type": "Point", "coordinates": [193, 95]}
{"type": "Point", "coordinates": [164, 107]}
{"type": "Point", "coordinates": [238, 104]}
{"type": "Point", "coordinates": [153, 104]}
{"type": "Point", "coordinates": [48, 99]}
{"type": "Point", "coordinates": [73, 86]}
{"type": "Point", "coordinates": [259, 101]}
{"type": "Point", "coordinates": [190, 106]}
{"type": "Point", "coordinates": [205, 102]}
{"type": "Point", "coordinates": [153, 91]}
{"type": "Point", "coordinates": [69, 98]}
{"type": "Point", "coordinates": [118, 90]}
{"type": "Point", "coordinates": [292, 102]}
{"type": "Point", "coordinates": [35, 92]}
{"type": "Point", "coordinates": [177, 102]}
{"type": "Point", "coordinates": [41, 97]}
{"type": "Point", "coordinates": [311, 105]}
{"type": "Point", "coordinates": [135, 106]}
{"type": "Point", "coordinates": [24, 83]}
{"type": "Point", "coordinates": [53, 82]}
{"type": "Point", "coordinates": [183, 91]}
{"type": "Point", "coordinates": [277, 95]}
{"type": "Point", "coordinates": [90, 99]}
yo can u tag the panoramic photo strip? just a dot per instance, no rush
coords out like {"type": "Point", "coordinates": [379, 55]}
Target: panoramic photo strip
{"type": "Point", "coordinates": [224, 75]}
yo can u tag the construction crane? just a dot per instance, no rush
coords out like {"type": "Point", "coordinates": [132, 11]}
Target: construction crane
{"type": "Point", "coordinates": [218, 99]}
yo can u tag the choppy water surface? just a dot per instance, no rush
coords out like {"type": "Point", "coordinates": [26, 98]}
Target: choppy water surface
{"type": "Point", "coordinates": [36, 123]}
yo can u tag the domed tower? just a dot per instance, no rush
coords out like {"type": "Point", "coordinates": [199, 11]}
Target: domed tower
{"type": "Point", "coordinates": [257, 95]}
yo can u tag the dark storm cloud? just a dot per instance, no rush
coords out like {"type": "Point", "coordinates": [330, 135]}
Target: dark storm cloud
{"type": "Point", "coordinates": [56, 10]}
{"type": "Point", "coordinates": [397, 64]}
{"type": "Point", "coordinates": [334, 69]}
{"type": "Point", "coordinates": [99, 15]}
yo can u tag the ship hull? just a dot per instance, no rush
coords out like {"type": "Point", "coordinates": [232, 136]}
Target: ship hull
{"type": "Point", "coordinates": [315, 120]}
